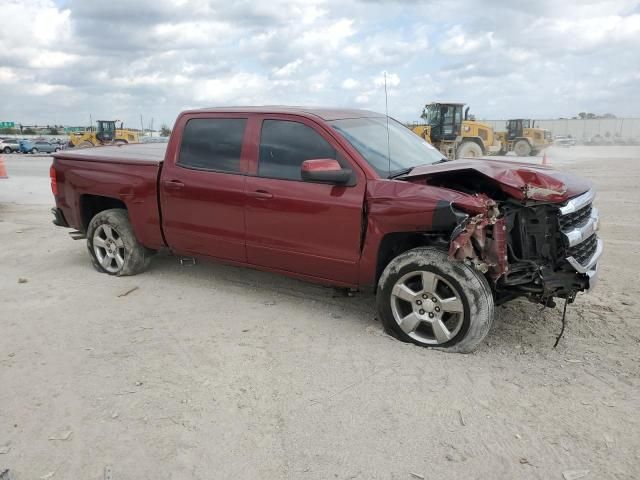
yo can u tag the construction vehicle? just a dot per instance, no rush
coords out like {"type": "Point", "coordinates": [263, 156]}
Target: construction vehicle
{"type": "Point", "coordinates": [105, 133]}
{"type": "Point", "coordinates": [455, 134]}
{"type": "Point", "coordinates": [523, 138]}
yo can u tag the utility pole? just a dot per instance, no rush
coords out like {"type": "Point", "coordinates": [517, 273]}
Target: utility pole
{"type": "Point", "coordinates": [141, 124]}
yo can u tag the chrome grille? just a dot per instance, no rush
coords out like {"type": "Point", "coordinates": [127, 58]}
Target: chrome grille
{"type": "Point", "coordinates": [585, 250]}
{"type": "Point", "coordinates": [575, 219]}
{"type": "Point", "coordinates": [578, 223]}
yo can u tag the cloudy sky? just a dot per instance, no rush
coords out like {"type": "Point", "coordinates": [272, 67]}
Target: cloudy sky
{"type": "Point", "coordinates": [62, 60]}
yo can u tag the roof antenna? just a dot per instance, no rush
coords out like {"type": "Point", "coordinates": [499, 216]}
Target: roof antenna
{"type": "Point", "coordinates": [386, 111]}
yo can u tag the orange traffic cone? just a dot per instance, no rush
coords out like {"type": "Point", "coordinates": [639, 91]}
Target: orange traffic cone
{"type": "Point", "coordinates": [544, 159]}
{"type": "Point", "coordinates": [3, 169]}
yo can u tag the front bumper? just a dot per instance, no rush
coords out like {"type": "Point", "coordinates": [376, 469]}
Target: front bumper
{"type": "Point", "coordinates": [583, 234]}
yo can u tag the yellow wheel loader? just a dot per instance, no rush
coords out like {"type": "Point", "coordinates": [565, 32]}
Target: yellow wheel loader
{"type": "Point", "coordinates": [454, 133]}
{"type": "Point", "coordinates": [105, 133]}
{"type": "Point", "coordinates": [523, 138]}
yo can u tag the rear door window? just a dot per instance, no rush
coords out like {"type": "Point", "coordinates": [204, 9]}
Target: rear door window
{"type": "Point", "coordinates": [284, 145]}
{"type": "Point", "coordinates": [212, 144]}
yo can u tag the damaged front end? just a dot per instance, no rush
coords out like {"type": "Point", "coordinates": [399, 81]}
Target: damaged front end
{"type": "Point", "coordinates": [480, 240]}
{"type": "Point", "coordinates": [534, 234]}
{"type": "Point", "coordinates": [534, 249]}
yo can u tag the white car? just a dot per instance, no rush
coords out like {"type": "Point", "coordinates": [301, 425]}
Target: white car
{"type": "Point", "coordinates": [562, 141]}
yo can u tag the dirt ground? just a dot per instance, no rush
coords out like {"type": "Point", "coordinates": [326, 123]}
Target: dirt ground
{"type": "Point", "coordinates": [214, 372]}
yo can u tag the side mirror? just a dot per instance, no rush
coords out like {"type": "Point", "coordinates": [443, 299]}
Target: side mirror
{"type": "Point", "coordinates": [325, 170]}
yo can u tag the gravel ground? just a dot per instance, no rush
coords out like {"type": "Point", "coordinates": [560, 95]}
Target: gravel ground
{"type": "Point", "coordinates": [211, 371]}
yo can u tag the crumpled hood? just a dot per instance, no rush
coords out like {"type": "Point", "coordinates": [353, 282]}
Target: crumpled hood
{"type": "Point", "coordinates": [522, 181]}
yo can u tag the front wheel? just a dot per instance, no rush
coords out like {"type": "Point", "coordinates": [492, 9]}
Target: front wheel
{"type": "Point", "coordinates": [113, 246]}
{"type": "Point", "coordinates": [469, 149]}
{"type": "Point", "coordinates": [34, 150]}
{"type": "Point", "coordinates": [7, 150]}
{"type": "Point", "coordinates": [522, 148]}
{"type": "Point", "coordinates": [427, 299]}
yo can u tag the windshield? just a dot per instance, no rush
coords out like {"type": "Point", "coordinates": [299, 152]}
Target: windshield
{"type": "Point", "coordinates": [404, 150]}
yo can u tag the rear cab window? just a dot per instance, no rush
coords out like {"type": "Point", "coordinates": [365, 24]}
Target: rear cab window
{"type": "Point", "coordinates": [213, 144]}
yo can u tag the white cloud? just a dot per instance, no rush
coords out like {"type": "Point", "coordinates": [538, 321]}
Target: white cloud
{"type": "Point", "coordinates": [156, 57]}
{"type": "Point", "coordinates": [289, 69]}
{"type": "Point", "coordinates": [458, 42]}
{"type": "Point", "coordinates": [350, 84]}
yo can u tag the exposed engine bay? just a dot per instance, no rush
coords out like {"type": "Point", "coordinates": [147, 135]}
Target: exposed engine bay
{"type": "Point", "coordinates": [527, 247]}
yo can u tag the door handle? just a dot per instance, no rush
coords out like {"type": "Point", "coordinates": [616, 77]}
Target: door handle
{"type": "Point", "coordinates": [261, 194]}
{"type": "Point", "coordinates": [173, 184]}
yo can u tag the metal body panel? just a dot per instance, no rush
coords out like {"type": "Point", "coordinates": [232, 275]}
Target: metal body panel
{"type": "Point", "coordinates": [327, 233]}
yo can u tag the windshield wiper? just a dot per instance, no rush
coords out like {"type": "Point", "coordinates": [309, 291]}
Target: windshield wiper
{"type": "Point", "coordinates": [400, 173]}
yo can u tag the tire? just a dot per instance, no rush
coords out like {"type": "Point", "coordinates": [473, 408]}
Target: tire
{"type": "Point", "coordinates": [85, 144]}
{"type": "Point", "coordinates": [113, 246]}
{"type": "Point", "coordinates": [469, 149]}
{"type": "Point", "coordinates": [463, 301]}
{"type": "Point", "coordinates": [119, 143]}
{"type": "Point", "coordinates": [58, 149]}
{"type": "Point", "coordinates": [7, 150]}
{"type": "Point", "coordinates": [34, 150]}
{"type": "Point", "coordinates": [522, 148]}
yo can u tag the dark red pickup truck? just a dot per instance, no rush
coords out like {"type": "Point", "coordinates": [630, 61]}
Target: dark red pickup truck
{"type": "Point", "coordinates": [343, 198]}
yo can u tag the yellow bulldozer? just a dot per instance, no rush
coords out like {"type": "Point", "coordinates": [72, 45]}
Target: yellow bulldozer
{"type": "Point", "coordinates": [455, 133]}
{"type": "Point", "coordinates": [523, 138]}
{"type": "Point", "coordinates": [105, 133]}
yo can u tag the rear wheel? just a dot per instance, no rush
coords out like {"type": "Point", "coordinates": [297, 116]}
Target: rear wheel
{"type": "Point", "coordinates": [34, 150]}
{"type": "Point", "coordinates": [522, 148]}
{"type": "Point", "coordinates": [426, 299]}
{"type": "Point", "coordinates": [469, 149]}
{"type": "Point", "coordinates": [7, 150]}
{"type": "Point", "coordinates": [113, 246]}
{"type": "Point", "coordinates": [85, 144]}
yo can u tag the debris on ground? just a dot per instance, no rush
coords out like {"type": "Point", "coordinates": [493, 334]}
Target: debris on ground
{"type": "Point", "coordinates": [462, 422]}
{"type": "Point", "coordinates": [66, 435]}
{"type": "Point", "coordinates": [4, 450]}
{"type": "Point", "coordinates": [22, 280]}
{"type": "Point", "coordinates": [46, 476]}
{"type": "Point", "coordinates": [417, 475]}
{"type": "Point", "coordinates": [6, 475]}
{"type": "Point", "coordinates": [128, 292]}
{"type": "Point", "coordinates": [574, 474]}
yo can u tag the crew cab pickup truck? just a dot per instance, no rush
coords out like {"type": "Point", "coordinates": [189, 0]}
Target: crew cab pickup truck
{"type": "Point", "coordinates": [346, 198]}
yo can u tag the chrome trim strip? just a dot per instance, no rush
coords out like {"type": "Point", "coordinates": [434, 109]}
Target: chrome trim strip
{"type": "Point", "coordinates": [578, 202]}
{"type": "Point", "coordinates": [580, 234]}
{"type": "Point", "coordinates": [593, 278]}
{"type": "Point", "coordinates": [592, 261]}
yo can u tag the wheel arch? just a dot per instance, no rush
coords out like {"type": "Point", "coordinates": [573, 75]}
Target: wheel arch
{"type": "Point", "coordinates": [396, 243]}
{"type": "Point", "coordinates": [90, 205]}
{"type": "Point", "coordinates": [526, 139]}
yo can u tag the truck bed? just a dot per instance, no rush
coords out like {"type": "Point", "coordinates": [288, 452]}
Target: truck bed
{"type": "Point", "coordinates": [140, 153]}
{"type": "Point", "coordinates": [90, 179]}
